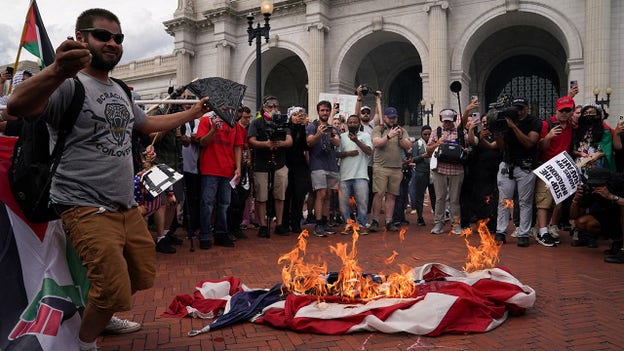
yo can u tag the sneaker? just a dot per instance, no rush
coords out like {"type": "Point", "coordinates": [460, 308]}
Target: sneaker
{"type": "Point", "coordinates": [500, 238]}
{"type": "Point", "coordinates": [231, 236]}
{"type": "Point", "coordinates": [391, 227]}
{"type": "Point", "coordinates": [173, 240]}
{"type": "Point", "coordinates": [347, 231]}
{"type": "Point", "coordinates": [374, 227]}
{"type": "Point", "coordinates": [457, 230]}
{"type": "Point", "coordinates": [438, 228]}
{"type": "Point", "coordinates": [546, 240]}
{"type": "Point", "coordinates": [163, 246]}
{"type": "Point", "coordinates": [328, 230]}
{"type": "Point", "coordinates": [615, 248]}
{"type": "Point", "coordinates": [121, 326]}
{"type": "Point", "coordinates": [282, 230]}
{"type": "Point", "coordinates": [263, 232]}
{"type": "Point", "coordinates": [515, 233]}
{"type": "Point", "coordinates": [223, 240]}
{"type": "Point", "coordinates": [553, 230]}
{"type": "Point", "coordinates": [239, 234]}
{"type": "Point", "coordinates": [319, 231]}
{"type": "Point", "coordinates": [363, 231]}
{"type": "Point", "coordinates": [420, 222]}
{"type": "Point", "coordinates": [619, 258]}
{"type": "Point", "coordinates": [523, 241]}
{"type": "Point", "coordinates": [413, 212]}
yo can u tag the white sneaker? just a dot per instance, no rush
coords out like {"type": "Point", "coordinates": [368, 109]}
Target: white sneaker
{"type": "Point", "coordinates": [457, 230]}
{"type": "Point", "coordinates": [438, 228]}
{"type": "Point", "coordinates": [553, 230]}
{"type": "Point", "coordinates": [121, 326]}
{"type": "Point", "coordinates": [515, 233]}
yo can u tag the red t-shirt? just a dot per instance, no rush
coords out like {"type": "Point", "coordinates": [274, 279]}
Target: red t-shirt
{"type": "Point", "coordinates": [217, 157]}
{"type": "Point", "coordinates": [559, 143]}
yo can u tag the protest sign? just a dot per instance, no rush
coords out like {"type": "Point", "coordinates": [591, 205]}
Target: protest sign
{"type": "Point", "coordinates": [561, 175]}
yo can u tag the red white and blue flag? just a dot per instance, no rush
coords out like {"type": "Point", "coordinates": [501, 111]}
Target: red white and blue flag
{"type": "Point", "coordinates": [447, 301]}
{"type": "Point", "coordinates": [44, 287]}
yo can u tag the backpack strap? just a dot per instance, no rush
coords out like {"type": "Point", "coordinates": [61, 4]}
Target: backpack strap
{"type": "Point", "coordinates": [67, 123]}
{"type": "Point", "coordinates": [124, 86]}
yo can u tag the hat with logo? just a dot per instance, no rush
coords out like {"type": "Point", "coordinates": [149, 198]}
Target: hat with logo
{"type": "Point", "coordinates": [365, 108]}
{"type": "Point", "coordinates": [448, 115]}
{"type": "Point", "coordinates": [520, 102]}
{"type": "Point", "coordinates": [391, 112]}
{"type": "Point", "coordinates": [564, 102]}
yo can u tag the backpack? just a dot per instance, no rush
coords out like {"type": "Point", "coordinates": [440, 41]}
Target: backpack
{"type": "Point", "coordinates": [451, 152]}
{"type": "Point", "coordinates": [33, 166]}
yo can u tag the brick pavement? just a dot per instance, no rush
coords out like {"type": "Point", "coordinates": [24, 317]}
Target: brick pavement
{"type": "Point", "coordinates": [580, 299]}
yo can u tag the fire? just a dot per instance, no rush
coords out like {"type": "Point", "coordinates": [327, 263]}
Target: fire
{"type": "Point", "coordinates": [486, 254]}
{"type": "Point", "coordinates": [507, 203]}
{"type": "Point", "coordinates": [350, 282]}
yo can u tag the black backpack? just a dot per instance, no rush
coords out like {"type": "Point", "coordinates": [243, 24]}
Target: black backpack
{"type": "Point", "coordinates": [33, 166]}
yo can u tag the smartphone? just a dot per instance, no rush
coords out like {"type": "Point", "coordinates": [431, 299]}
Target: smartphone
{"type": "Point", "coordinates": [474, 98]}
{"type": "Point", "coordinates": [337, 106]}
{"type": "Point", "coordinates": [9, 70]}
{"type": "Point", "coordinates": [573, 84]}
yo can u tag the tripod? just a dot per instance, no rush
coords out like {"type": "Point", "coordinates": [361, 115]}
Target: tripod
{"type": "Point", "coordinates": [270, 206]}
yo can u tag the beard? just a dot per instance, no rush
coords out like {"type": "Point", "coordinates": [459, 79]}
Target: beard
{"type": "Point", "coordinates": [99, 63]}
{"type": "Point", "coordinates": [365, 119]}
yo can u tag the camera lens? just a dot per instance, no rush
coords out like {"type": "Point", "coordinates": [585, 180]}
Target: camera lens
{"type": "Point", "coordinates": [365, 89]}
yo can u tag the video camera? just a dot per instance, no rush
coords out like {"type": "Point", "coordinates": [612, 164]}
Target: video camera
{"type": "Point", "coordinates": [276, 127]}
{"type": "Point", "coordinates": [497, 122]}
{"type": "Point", "coordinates": [602, 177]}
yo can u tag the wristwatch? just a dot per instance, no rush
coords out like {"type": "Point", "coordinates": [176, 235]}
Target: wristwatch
{"type": "Point", "coordinates": [388, 136]}
{"type": "Point", "coordinates": [615, 198]}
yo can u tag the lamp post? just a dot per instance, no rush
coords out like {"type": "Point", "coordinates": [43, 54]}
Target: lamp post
{"type": "Point", "coordinates": [266, 8]}
{"type": "Point", "coordinates": [603, 102]}
{"type": "Point", "coordinates": [424, 111]}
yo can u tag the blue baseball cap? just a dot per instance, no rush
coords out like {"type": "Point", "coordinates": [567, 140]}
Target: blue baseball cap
{"type": "Point", "coordinates": [391, 112]}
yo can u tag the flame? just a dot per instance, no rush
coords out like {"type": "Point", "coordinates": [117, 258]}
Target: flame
{"type": "Point", "coordinates": [402, 233]}
{"type": "Point", "coordinates": [351, 283]}
{"type": "Point", "coordinates": [507, 203]}
{"type": "Point", "coordinates": [486, 254]}
{"type": "Point", "coordinates": [487, 199]}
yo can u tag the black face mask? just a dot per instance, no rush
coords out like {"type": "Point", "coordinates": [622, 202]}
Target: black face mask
{"type": "Point", "coordinates": [354, 129]}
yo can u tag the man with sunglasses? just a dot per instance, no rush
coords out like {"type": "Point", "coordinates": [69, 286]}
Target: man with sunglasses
{"type": "Point", "coordinates": [92, 188]}
{"type": "Point", "coordinates": [555, 138]}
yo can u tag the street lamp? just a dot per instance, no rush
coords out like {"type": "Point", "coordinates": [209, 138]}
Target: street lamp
{"type": "Point", "coordinates": [603, 102]}
{"type": "Point", "coordinates": [424, 111]}
{"type": "Point", "coordinates": [266, 8]}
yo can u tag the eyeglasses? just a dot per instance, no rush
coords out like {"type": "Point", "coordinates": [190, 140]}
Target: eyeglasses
{"type": "Point", "coordinates": [566, 110]}
{"type": "Point", "coordinates": [103, 35]}
{"type": "Point", "coordinates": [271, 106]}
{"type": "Point", "coordinates": [366, 112]}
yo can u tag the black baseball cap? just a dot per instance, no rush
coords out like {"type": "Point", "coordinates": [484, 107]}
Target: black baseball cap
{"type": "Point", "coordinates": [519, 102]}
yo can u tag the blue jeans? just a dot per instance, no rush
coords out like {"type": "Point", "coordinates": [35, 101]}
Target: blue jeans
{"type": "Point", "coordinates": [359, 189]}
{"type": "Point", "coordinates": [214, 190]}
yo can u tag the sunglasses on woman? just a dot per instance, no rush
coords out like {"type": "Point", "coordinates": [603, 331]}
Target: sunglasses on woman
{"type": "Point", "coordinates": [103, 35]}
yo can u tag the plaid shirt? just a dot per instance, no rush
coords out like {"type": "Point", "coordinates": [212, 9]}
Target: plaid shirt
{"type": "Point", "coordinates": [444, 168]}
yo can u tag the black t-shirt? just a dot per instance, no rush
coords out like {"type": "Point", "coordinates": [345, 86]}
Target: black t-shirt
{"type": "Point", "coordinates": [295, 155]}
{"type": "Point", "coordinates": [513, 149]}
{"type": "Point", "coordinates": [262, 156]}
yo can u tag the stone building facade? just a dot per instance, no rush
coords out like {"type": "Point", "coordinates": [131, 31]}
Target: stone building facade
{"type": "Point", "coordinates": [410, 49]}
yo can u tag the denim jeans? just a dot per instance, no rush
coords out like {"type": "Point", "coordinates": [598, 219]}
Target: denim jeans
{"type": "Point", "coordinates": [359, 189]}
{"type": "Point", "coordinates": [214, 191]}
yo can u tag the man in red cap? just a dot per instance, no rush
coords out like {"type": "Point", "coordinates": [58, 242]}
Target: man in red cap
{"type": "Point", "coordinates": [556, 137]}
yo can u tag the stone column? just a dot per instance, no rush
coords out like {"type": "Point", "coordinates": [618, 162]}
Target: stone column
{"type": "Point", "coordinates": [316, 75]}
{"type": "Point", "coordinates": [438, 54]}
{"type": "Point", "coordinates": [183, 57]}
{"type": "Point", "coordinates": [224, 58]}
{"type": "Point", "coordinates": [597, 46]}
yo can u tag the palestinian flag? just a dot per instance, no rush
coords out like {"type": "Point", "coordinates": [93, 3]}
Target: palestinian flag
{"type": "Point", "coordinates": [44, 287]}
{"type": "Point", "coordinates": [35, 38]}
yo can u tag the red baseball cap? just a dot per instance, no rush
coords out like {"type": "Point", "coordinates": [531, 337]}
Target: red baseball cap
{"type": "Point", "coordinates": [564, 102]}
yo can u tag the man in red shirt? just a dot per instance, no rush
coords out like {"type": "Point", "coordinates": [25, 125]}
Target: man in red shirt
{"type": "Point", "coordinates": [556, 137]}
{"type": "Point", "coordinates": [219, 163]}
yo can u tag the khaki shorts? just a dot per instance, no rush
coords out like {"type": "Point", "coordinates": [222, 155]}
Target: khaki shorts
{"type": "Point", "coordinates": [386, 180]}
{"type": "Point", "coordinates": [543, 197]}
{"type": "Point", "coordinates": [280, 183]}
{"type": "Point", "coordinates": [117, 250]}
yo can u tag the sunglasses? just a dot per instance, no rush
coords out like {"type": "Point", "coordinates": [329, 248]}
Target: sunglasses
{"type": "Point", "coordinates": [566, 110]}
{"type": "Point", "coordinates": [591, 116]}
{"type": "Point", "coordinates": [103, 35]}
{"type": "Point", "coordinates": [366, 112]}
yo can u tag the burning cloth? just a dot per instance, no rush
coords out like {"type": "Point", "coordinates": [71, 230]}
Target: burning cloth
{"type": "Point", "coordinates": [446, 301]}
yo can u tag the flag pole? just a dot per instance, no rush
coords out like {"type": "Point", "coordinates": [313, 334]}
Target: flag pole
{"type": "Point", "coordinates": [19, 49]}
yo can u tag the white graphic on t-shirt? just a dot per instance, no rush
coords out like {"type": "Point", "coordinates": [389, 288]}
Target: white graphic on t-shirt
{"type": "Point", "coordinates": [117, 116]}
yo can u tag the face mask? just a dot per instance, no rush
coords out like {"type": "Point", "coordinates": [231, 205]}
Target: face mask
{"type": "Point", "coordinates": [354, 129]}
